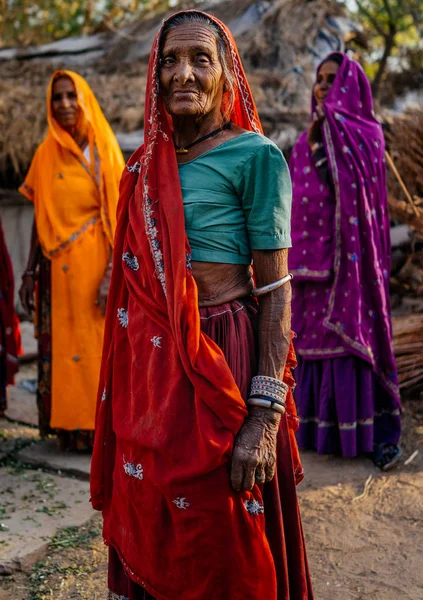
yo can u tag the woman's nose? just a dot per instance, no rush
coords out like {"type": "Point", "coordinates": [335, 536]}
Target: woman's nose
{"type": "Point", "coordinates": [65, 101]}
{"type": "Point", "coordinates": [183, 72]}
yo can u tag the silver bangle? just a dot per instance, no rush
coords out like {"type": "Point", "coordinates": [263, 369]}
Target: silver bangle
{"type": "Point", "coordinates": [321, 162]}
{"type": "Point", "coordinates": [267, 394]}
{"type": "Point", "coordinates": [261, 403]}
{"type": "Point", "coordinates": [265, 380]}
{"type": "Point", "coordinates": [271, 287]}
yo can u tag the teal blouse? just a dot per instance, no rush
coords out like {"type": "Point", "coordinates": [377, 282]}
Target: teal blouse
{"type": "Point", "coordinates": [237, 198]}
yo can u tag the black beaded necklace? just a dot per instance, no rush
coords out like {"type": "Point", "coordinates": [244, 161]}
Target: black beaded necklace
{"type": "Point", "coordinates": [184, 150]}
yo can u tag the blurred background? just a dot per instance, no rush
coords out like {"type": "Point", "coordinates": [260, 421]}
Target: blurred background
{"type": "Point", "coordinates": [280, 41]}
{"type": "Point", "coordinates": [363, 529]}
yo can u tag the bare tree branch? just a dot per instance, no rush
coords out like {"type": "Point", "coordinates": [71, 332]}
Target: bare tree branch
{"type": "Point", "coordinates": [388, 10]}
{"type": "Point", "coordinates": [372, 19]}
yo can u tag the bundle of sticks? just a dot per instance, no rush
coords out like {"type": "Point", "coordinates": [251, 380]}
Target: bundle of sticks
{"type": "Point", "coordinates": [408, 348]}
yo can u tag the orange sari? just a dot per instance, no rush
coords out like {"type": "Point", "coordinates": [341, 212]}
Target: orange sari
{"type": "Point", "coordinates": [75, 213]}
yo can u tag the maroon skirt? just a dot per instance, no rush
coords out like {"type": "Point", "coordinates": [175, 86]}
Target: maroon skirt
{"type": "Point", "coordinates": [233, 327]}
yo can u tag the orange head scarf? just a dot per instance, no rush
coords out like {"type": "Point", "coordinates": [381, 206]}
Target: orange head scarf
{"type": "Point", "coordinates": [59, 156]}
{"type": "Point", "coordinates": [168, 407]}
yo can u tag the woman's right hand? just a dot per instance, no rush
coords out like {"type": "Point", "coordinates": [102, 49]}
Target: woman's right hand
{"type": "Point", "coordinates": [26, 293]}
{"type": "Point", "coordinates": [314, 133]}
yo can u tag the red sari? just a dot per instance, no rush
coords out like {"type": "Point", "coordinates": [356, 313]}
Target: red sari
{"type": "Point", "coordinates": [169, 407]}
{"type": "Point", "coordinates": [10, 337]}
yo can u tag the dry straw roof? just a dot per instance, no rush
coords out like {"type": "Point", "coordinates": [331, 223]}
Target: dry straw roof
{"type": "Point", "coordinates": [279, 42]}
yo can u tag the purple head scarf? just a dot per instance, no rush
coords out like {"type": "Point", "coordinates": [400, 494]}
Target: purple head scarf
{"type": "Point", "coordinates": [340, 233]}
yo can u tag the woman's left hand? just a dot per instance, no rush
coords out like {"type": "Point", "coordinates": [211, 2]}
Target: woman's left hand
{"type": "Point", "coordinates": [254, 455]}
{"type": "Point", "coordinates": [103, 292]}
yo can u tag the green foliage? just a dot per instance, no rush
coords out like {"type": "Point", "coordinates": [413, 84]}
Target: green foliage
{"type": "Point", "coordinates": [23, 22]}
{"type": "Point", "coordinates": [381, 18]}
{"type": "Point", "coordinates": [393, 28]}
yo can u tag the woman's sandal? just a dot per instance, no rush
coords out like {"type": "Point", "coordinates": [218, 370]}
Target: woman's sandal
{"type": "Point", "coordinates": [386, 456]}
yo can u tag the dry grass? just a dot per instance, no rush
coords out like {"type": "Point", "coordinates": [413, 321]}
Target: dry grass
{"type": "Point", "coordinates": [404, 141]}
{"type": "Point", "coordinates": [408, 348]}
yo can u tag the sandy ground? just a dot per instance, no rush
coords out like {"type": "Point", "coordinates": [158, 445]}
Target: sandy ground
{"type": "Point", "coordinates": [363, 528]}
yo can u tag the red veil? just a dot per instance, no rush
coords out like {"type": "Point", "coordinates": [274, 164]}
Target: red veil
{"type": "Point", "coordinates": [169, 409]}
{"type": "Point", "coordinates": [10, 335]}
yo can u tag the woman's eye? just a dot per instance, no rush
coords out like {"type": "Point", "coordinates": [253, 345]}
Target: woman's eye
{"type": "Point", "coordinates": [56, 98]}
{"type": "Point", "coordinates": [168, 61]}
{"type": "Point", "coordinates": [202, 60]}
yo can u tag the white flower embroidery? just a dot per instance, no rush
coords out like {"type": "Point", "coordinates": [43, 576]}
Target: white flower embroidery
{"type": "Point", "coordinates": [253, 507]}
{"type": "Point", "coordinates": [133, 470]}
{"type": "Point", "coordinates": [181, 503]}
{"type": "Point", "coordinates": [131, 261]}
{"type": "Point", "coordinates": [152, 233]}
{"type": "Point", "coordinates": [122, 317]}
{"type": "Point", "coordinates": [135, 168]}
{"type": "Point", "coordinates": [104, 395]}
{"type": "Point", "coordinates": [156, 341]}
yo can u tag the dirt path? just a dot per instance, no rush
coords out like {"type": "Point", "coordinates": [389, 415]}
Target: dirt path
{"type": "Point", "coordinates": [363, 530]}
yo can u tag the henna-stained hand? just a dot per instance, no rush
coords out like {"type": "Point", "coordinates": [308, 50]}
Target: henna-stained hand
{"type": "Point", "coordinates": [255, 448]}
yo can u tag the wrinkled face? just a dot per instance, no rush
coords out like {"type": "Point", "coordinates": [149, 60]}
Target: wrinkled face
{"type": "Point", "coordinates": [191, 75]}
{"type": "Point", "coordinates": [325, 78]}
{"type": "Point", "coordinates": [64, 103]}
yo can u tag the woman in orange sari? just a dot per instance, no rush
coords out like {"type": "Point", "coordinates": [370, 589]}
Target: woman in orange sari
{"type": "Point", "coordinates": [73, 182]}
{"type": "Point", "coordinates": [195, 461]}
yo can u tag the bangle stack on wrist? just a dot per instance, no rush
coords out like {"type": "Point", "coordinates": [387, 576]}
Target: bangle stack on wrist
{"type": "Point", "coordinates": [268, 392]}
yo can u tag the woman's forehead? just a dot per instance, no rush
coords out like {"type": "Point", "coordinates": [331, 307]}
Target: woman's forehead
{"type": "Point", "coordinates": [329, 67]}
{"type": "Point", "coordinates": [63, 83]}
{"type": "Point", "coordinates": [192, 37]}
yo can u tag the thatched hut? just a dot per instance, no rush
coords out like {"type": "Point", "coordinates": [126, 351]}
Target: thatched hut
{"type": "Point", "coordinates": [280, 43]}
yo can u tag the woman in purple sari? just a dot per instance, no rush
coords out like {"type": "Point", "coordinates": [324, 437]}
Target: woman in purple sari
{"type": "Point", "coordinates": [347, 391]}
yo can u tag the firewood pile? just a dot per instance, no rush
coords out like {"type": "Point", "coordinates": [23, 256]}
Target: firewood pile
{"type": "Point", "coordinates": [405, 186]}
{"type": "Point", "coordinates": [407, 270]}
{"type": "Point", "coordinates": [403, 212]}
{"type": "Point", "coordinates": [408, 348]}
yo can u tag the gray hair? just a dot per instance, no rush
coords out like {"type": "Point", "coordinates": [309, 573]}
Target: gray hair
{"type": "Point", "coordinates": [191, 17]}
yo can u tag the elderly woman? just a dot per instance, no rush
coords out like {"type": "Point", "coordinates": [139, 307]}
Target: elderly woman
{"type": "Point", "coordinates": [195, 462]}
{"type": "Point", "coordinates": [73, 182]}
{"type": "Point", "coordinates": [10, 339]}
{"type": "Point", "coordinates": [347, 392]}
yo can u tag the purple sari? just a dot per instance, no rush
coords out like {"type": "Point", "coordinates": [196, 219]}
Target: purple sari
{"type": "Point", "coordinates": [341, 263]}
